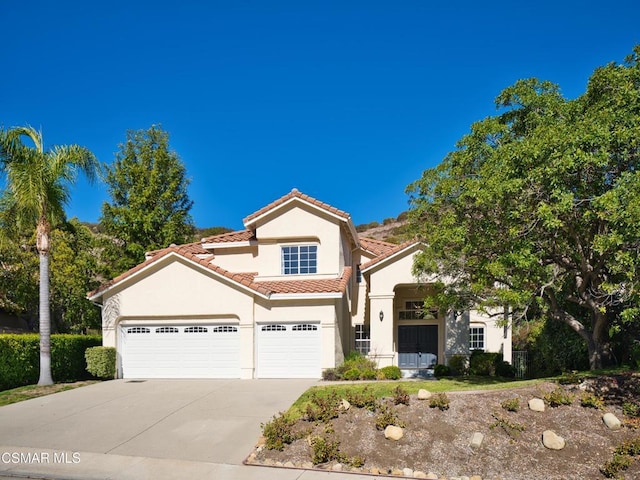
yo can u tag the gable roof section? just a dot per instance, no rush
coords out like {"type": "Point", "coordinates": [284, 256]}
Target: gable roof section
{"type": "Point", "coordinates": [391, 255]}
{"type": "Point", "coordinates": [231, 237]}
{"type": "Point", "coordinates": [377, 247]}
{"type": "Point", "coordinates": [244, 280]}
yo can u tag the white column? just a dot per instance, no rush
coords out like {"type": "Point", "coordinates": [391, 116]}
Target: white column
{"type": "Point", "coordinates": [381, 330]}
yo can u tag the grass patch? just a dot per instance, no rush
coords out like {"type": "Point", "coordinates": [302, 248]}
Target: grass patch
{"type": "Point", "coordinates": [388, 389]}
{"type": "Point", "coordinates": [34, 391]}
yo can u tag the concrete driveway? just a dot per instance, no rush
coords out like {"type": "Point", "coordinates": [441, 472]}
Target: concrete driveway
{"type": "Point", "coordinates": [161, 429]}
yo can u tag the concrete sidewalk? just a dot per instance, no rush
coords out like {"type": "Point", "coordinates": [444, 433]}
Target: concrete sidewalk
{"type": "Point", "coordinates": [156, 429]}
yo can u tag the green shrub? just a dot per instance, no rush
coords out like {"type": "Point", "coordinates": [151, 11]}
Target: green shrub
{"type": "Point", "coordinates": [323, 408]}
{"type": "Point", "coordinates": [368, 374]}
{"type": "Point", "coordinates": [629, 447]}
{"type": "Point", "coordinates": [631, 409]}
{"type": "Point", "coordinates": [511, 404]}
{"type": "Point", "coordinates": [324, 450]}
{"type": "Point", "coordinates": [352, 374]}
{"type": "Point", "coordinates": [391, 372]}
{"type": "Point", "coordinates": [278, 432]}
{"type": "Point", "coordinates": [613, 467]}
{"type": "Point", "coordinates": [558, 397]}
{"type": "Point", "coordinates": [400, 396]}
{"type": "Point", "coordinates": [364, 398]}
{"type": "Point", "coordinates": [356, 361]}
{"type": "Point", "coordinates": [505, 369]}
{"type": "Point", "coordinates": [440, 401]}
{"type": "Point", "coordinates": [440, 371]}
{"type": "Point", "coordinates": [387, 416]}
{"type": "Point", "coordinates": [101, 362]}
{"type": "Point", "coordinates": [512, 429]}
{"type": "Point", "coordinates": [483, 363]}
{"type": "Point", "coordinates": [459, 365]}
{"type": "Point", "coordinates": [590, 400]}
{"type": "Point", "coordinates": [20, 358]}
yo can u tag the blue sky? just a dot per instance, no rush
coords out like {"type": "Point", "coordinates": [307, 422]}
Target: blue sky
{"type": "Point", "coordinates": [348, 101]}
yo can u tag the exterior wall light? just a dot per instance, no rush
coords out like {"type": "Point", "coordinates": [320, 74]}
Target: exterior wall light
{"type": "Point", "coordinates": [381, 315]}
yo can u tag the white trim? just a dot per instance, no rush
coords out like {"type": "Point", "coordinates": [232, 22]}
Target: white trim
{"type": "Point", "coordinates": [244, 243]}
{"type": "Point", "coordinates": [303, 296]}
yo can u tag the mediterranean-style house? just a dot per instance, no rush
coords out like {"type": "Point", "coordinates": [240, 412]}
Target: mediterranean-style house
{"type": "Point", "coordinates": [287, 297]}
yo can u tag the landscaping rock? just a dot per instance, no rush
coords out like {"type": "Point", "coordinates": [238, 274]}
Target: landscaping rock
{"type": "Point", "coordinates": [476, 439]}
{"type": "Point", "coordinates": [397, 472]}
{"type": "Point", "coordinates": [407, 472]}
{"type": "Point", "coordinates": [374, 471]}
{"type": "Point", "coordinates": [307, 465]}
{"type": "Point", "coordinates": [289, 465]}
{"type": "Point", "coordinates": [536, 404]}
{"type": "Point", "coordinates": [393, 433]}
{"type": "Point", "coordinates": [337, 467]}
{"type": "Point", "coordinates": [419, 474]}
{"type": "Point", "coordinates": [431, 476]}
{"type": "Point", "coordinates": [475, 477]}
{"type": "Point", "coordinates": [345, 405]}
{"type": "Point", "coordinates": [552, 441]}
{"type": "Point", "coordinates": [611, 421]}
{"type": "Point", "coordinates": [424, 394]}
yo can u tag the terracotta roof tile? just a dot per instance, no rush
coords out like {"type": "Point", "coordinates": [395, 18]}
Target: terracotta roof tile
{"type": "Point", "coordinates": [295, 193]}
{"type": "Point", "coordinates": [390, 253]}
{"type": "Point", "coordinates": [194, 248]}
{"type": "Point", "coordinates": [377, 247]}
{"type": "Point", "coordinates": [246, 279]}
{"type": "Point", "coordinates": [237, 236]}
{"type": "Point", "coordinates": [331, 285]}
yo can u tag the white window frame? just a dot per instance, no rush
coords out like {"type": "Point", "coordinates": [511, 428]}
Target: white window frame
{"type": "Point", "coordinates": [477, 337]}
{"type": "Point", "coordinates": [362, 338]}
{"type": "Point", "coordinates": [299, 259]}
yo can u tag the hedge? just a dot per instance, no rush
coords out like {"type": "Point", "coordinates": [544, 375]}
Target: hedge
{"type": "Point", "coordinates": [101, 362]}
{"type": "Point", "coordinates": [20, 358]}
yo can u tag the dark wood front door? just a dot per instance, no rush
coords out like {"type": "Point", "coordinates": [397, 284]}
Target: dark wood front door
{"type": "Point", "coordinates": [417, 346]}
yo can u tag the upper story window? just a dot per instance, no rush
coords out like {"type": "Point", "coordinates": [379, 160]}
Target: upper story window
{"type": "Point", "coordinates": [299, 259]}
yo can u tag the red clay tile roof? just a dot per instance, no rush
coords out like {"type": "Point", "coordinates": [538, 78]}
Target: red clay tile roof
{"type": "Point", "coordinates": [390, 253]}
{"type": "Point", "coordinates": [330, 285]}
{"type": "Point", "coordinates": [296, 194]}
{"type": "Point", "coordinates": [245, 279]}
{"type": "Point", "coordinates": [194, 248]}
{"type": "Point", "coordinates": [377, 247]}
{"type": "Point", "coordinates": [237, 236]}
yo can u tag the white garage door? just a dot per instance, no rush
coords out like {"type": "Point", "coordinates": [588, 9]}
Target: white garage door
{"type": "Point", "coordinates": [288, 351]}
{"type": "Point", "coordinates": [180, 351]}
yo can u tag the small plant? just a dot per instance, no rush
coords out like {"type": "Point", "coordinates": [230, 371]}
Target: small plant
{"type": "Point", "coordinates": [440, 371]}
{"type": "Point", "coordinates": [629, 447]}
{"type": "Point", "coordinates": [387, 416]}
{"type": "Point", "coordinates": [631, 409]}
{"type": "Point", "coordinates": [614, 466]}
{"type": "Point", "coordinates": [330, 375]}
{"type": "Point", "coordinates": [323, 408]}
{"type": "Point", "coordinates": [400, 396]}
{"type": "Point", "coordinates": [390, 373]}
{"type": "Point", "coordinates": [356, 461]}
{"type": "Point", "coordinates": [368, 374]}
{"type": "Point", "coordinates": [352, 374]}
{"type": "Point", "coordinates": [278, 432]}
{"type": "Point", "coordinates": [558, 397]}
{"type": "Point", "coordinates": [459, 365]}
{"type": "Point", "coordinates": [590, 400]}
{"type": "Point", "coordinates": [324, 450]}
{"type": "Point", "coordinates": [439, 400]}
{"type": "Point", "coordinates": [364, 398]}
{"type": "Point", "coordinates": [511, 404]}
{"type": "Point", "coordinates": [512, 429]}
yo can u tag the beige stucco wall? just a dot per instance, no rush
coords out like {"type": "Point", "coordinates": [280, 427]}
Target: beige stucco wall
{"type": "Point", "coordinates": [298, 225]}
{"type": "Point", "coordinates": [495, 340]}
{"type": "Point", "coordinates": [174, 291]}
{"type": "Point", "coordinates": [237, 259]}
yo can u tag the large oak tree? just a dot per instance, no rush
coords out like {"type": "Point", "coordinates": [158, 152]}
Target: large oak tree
{"type": "Point", "coordinates": [541, 204]}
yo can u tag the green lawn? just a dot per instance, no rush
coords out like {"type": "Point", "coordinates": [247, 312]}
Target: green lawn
{"type": "Point", "coordinates": [33, 391]}
{"type": "Point", "coordinates": [386, 389]}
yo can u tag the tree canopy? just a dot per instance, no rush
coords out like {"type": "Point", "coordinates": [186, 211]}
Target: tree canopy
{"type": "Point", "coordinates": [540, 205]}
{"type": "Point", "coordinates": [149, 206]}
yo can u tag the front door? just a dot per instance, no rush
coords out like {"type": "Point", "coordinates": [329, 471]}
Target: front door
{"type": "Point", "coordinates": [417, 346]}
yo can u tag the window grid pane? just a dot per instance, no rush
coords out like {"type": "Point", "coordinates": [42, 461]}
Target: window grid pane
{"type": "Point", "coordinates": [299, 260]}
{"type": "Point", "coordinates": [476, 338]}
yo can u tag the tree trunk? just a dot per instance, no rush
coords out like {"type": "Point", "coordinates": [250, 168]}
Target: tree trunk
{"type": "Point", "coordinates": [45, 316]}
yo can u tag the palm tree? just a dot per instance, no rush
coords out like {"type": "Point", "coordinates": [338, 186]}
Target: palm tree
{"type": "Point", "coordinates": [37, 188]}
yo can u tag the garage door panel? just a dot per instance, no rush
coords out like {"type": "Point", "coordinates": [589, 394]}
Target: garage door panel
{"type": "Point", "coordinates": [288, 351]}
{"type": "Point", "coordinates": [189, 351]}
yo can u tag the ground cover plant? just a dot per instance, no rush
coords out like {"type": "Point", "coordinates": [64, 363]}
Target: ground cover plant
{"type": "Point", "coordinates": [438, 440]}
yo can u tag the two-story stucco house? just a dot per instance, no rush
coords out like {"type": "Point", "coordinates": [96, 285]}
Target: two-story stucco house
{"type": "Point", "coordinates": [286, 297]}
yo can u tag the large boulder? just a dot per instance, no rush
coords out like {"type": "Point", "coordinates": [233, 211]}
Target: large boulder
{"type": "Point", "coordinates": [393, 433]}
{"type": "Point", "coordinates": [552, 441]}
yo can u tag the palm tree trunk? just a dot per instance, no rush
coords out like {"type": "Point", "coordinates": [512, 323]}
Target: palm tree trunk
{"type": "Point", "coordinates": [45, 320]}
